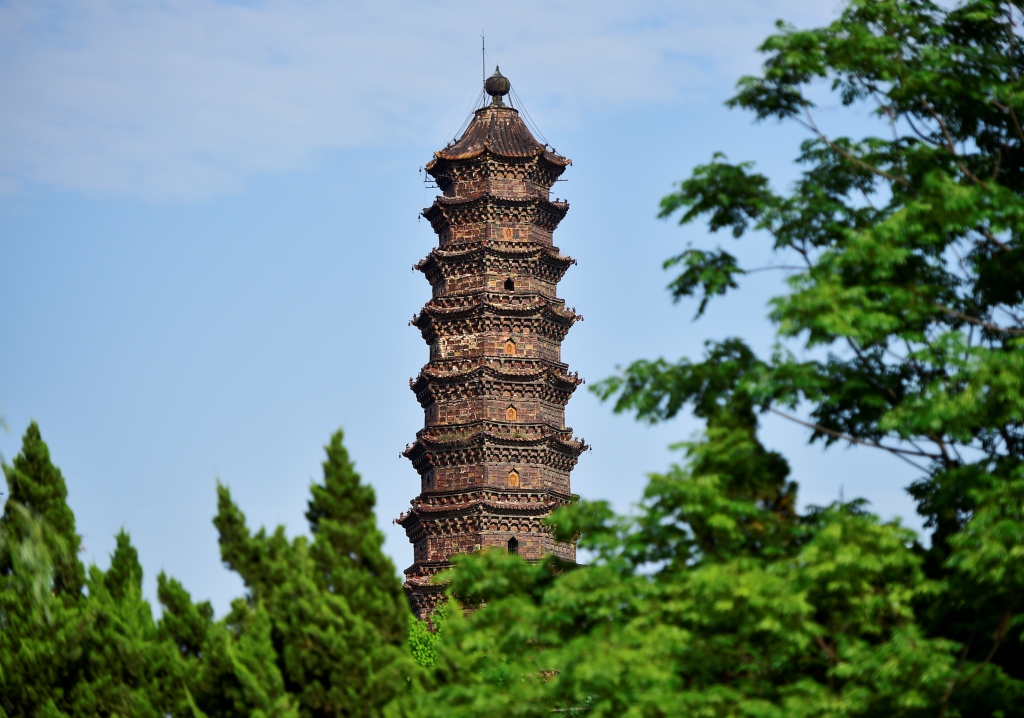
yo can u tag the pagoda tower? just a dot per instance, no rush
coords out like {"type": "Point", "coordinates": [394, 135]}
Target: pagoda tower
{"type": "Point", "coordinates": [494, 454]}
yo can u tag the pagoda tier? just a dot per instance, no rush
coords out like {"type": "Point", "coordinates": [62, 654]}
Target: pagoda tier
{"type": "Point", "coordinates": [494, 456]}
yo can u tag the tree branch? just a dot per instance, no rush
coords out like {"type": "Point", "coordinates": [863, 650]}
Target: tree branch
{"type": "Point", "coordinates": [980, 322]}
{"type": "Point", "coordinates": [899, 453]}
{"type": "Point", "coordinates": [852, 158]}
{"type": "Point", "coordinates": [950, 145]}
{"type": "Point", "coordinates": [991, 238]}
{"type": "Point", "coordinates": [774, 266]}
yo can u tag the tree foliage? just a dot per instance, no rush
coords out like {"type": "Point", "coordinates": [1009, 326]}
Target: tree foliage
{"type": "Point", "coordinates": [901, 328]}
{"type": "Point", "coordinates": [322, 630]}
{"type": "Point", "coordinates": [339, 614]}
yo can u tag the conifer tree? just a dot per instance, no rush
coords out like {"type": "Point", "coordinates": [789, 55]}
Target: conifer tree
{"type": "Point", "coordinates": [336, 606]}
{"type": "Point", "coordinates": [185, 628]}
{"type": "Point", "coordinates": [36, 484]}
{"type": "Point", "coordinates": [120, 643]}
{"type": "Point", "coordinates": [41, 582]}
{"type": "Point", "coordinates": [348, 548]}
{"type": "Point", "coordinates": [65, 651]}
{"type": "Point", "coordinates": [240, 674]}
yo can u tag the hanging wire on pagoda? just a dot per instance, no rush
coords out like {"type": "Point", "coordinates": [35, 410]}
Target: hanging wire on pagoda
{"type": "Point", "coordinates": [517, 103]}
{"type": "Point", "coordinates": [481, 100]}
{"type": "Point", "coordinates": [463, 117]}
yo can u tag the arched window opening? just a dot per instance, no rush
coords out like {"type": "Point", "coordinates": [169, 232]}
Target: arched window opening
{"type": "Point", "coordinates": [513, 478]}
{"type": "Point", "coordinates": [510, 348]}
{"type": "Point", "coordinates": [510, 285]}
{"type": "Point", "coordinates": [513, 545]}
{"type": "Point", "coordinates": [511, 414]}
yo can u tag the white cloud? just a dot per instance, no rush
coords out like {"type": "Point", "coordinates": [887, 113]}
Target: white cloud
{"type": "Point", "coordinates": [185, 99]}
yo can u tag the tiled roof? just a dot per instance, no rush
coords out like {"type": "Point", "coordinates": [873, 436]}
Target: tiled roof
{"type": "Point", "coordinates": [502, 131]}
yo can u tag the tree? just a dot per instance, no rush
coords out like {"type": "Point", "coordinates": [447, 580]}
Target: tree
{"type": "Point", "coordinates": [901, 329]}
{"type": "Point", "coordinates": [41, 582]}
{"type": "Point", "coordinates": [336, 607]}
{"type": "Point", "coordinates": [322, 631]}
{"type": "Point", "coordinates": [118, 673]}
{"type": "Point", "coordinates": [38, 486]}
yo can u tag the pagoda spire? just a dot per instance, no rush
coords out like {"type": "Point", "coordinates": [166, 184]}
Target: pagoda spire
{"type": "Point", "coordinates": [494, 454]}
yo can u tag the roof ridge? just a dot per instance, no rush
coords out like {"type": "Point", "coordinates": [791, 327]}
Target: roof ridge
{"type": "Point", "coordinates": [502, 132]}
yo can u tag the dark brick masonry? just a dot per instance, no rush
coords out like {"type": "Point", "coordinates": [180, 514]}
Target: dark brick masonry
{"type": "Point", "coordinates": [494, 455]}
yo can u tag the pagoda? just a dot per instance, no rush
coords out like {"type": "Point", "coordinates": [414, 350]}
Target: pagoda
{"type": "Point", "coordinates": [494, 454]}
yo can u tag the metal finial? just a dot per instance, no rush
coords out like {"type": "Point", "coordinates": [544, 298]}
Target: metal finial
{"type": "Point", "coordinates": [497, 86]}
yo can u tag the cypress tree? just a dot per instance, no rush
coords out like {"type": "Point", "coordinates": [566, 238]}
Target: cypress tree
{"type": "Point", "coordinates": [120, 643]}
{"type": "Point", "coordinates": [38, 486]}
{"type": "Point", "coordinates": [65, 651]}
{"type": "Point", "coordinates": [348, 548]}
{"type": "Point", "coordinates": [41, 582]}
{"type": "Point", "coordinates": [340, 622]}
{"type": "Point", "coordinates": [240, 674]}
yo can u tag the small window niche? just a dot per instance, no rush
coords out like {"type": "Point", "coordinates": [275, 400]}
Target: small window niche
{"type": "Point", "coordinates": [510, 348]}
{"type": "Point", "coordinates": [510, 285]}
{"type": "Point", "coordinates": [513, 478]}
{"type": "Point", "coordinates": [513, 546]}
{"type": "Point", "coordinates": [511, 414]}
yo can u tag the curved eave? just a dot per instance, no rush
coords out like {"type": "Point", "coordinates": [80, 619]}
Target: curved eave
{"type": "Point", "coordinates": [559, 382]}
{"type": "Point", "coordinates": [438, 167]}
{"type": "Point", "coordinates": [474, 307]}
{"type": "Point", "coordinates": [470, 253]}
{"type": "Point", "coordinates": [557, 162]}
{"type": "Point", "coordinates": [426, 444]}
{"type": "Point", "coordinates": [558, 379]}
{"type": "Point", "coordinates": [446, 206]}
{"type": "Point", "coordinates": [479, 507]}
{"type": "Point", "coordinates": [500, 131]}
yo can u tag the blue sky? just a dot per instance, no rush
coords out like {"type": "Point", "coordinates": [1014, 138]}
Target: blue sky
{"type": "Point", "coordinates": [209, 211]}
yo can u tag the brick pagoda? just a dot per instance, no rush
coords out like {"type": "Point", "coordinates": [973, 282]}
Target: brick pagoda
{"type": "Point", "coordinates": [494, 454]}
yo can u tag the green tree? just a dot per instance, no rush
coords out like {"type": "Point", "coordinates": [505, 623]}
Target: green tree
{"type": "Point", "coordinates": [322, 631]}
{"type": "Point", "coordinates": [338, 614]}
{"type": "Point", "coordinates": [120, 644]}
{"type": "Point", "coordinates": [901, 329]}
{"type": "Point", "coordinates": [41, 581]}
{"type": "Point", "coordinates": [65, 650]}
{"type": "Point", "coordinates": [38, 486]}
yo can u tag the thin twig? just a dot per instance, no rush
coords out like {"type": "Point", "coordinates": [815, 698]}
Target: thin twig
{"type": "Point", "coordinates": [920, 134]}
{"type": "Point", "coordinates": [826, 649]}
{"type": "Point", "coordinates": [854, 440]}
{"type": "Point", "coordinates": [774, 266]}
{"type": "Point", "coordinates": [950, 145]}
{"type": "Point", "coordinates": [980, 322]}
{"type": "Point", "coordinates": [936, 439]}
{"type": "Point", "coordinates": [852, 158]}
{"type": "Point", "coordinates": [991, 238]}
{"type": "Point", "coordinates": [1016, 123]}
{"type": "Point", "coordinates": [997, 640]}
